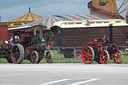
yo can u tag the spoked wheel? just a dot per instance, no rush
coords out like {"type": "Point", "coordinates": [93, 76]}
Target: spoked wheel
{"type": "Point", "coordinates": [118, 57]}
{"type": "Point", "coordinates": [88, 55]}
{"type": "Point", "coordinates": [34, 57]}
{"type": "Point", "coordinates": [104, 57]}
{"type": "Point", "coordinates": [17, 53]}
{"type": "Point", "coordinates": [78, 53]}
{"type": "Point", "coordinates": [49, 57]}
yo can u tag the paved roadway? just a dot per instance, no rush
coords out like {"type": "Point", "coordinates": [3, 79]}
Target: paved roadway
{"type": "Point", "coordinates": [63, 74]}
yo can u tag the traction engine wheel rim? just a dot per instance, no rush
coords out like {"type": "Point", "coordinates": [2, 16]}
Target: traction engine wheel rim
{"type": "Point", "coordinates": [49, 57]}
{"type": "Point", "coordinates": [17, 53]}
{"type": "Point", "coordinates": [118, 57]}
{"type": "Point", "coordinates": [34, 57]}
{"type": "Point", "coordinates": [104, 57]}
{"type": "Point", "coordinates": [87, 55]}
{"type": "Point", "coordinates": [78, 53]}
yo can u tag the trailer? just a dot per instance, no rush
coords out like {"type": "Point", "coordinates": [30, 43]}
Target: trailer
{"type": "Point", "coordinates": [72, 34]}
{"type": "Point", "coordinates": [5, 47]}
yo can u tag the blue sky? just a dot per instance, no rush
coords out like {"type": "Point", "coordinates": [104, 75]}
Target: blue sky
{"type": "Point", "coordinates": [11, 9]}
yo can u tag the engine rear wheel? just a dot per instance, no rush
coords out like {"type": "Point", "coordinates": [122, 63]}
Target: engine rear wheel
{"type": "Point", "coordinates": [104, 57]}
{"type": "Point", "coordinates": [87, 55]}
{"type": "Point", "coordinates": [49, 57]}
{"type": "Point", "coordinates": [17, 53]}
{"type": "Point", "coordinates": [118, 57]}
{"type": "Point", "coordinates": [34, 57]}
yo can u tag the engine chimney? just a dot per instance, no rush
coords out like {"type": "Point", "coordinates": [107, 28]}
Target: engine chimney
{"type": "Point", "coordinates": [110, 33]}
{"type": "Point", "coordinates": [41, 31]}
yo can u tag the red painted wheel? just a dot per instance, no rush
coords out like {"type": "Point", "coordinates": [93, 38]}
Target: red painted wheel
{"type": "Point", "coordinates": [118, 57]}
{"type": "Point", "coordinates": [34, 57]}
{"type": "Point", "coordinates": [49, 57]}
{"type": "Point", "coordinates": [87, 55]}
{"type": "Point", "coordinates": [104, 57]}
{"type": "Point", "coordinates": [78, 53]}
{"type": "Point", "coordinates": [17, 53]}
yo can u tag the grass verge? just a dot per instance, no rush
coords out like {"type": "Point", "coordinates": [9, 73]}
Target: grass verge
{"type": "Point", "coordinates": [60, 59]}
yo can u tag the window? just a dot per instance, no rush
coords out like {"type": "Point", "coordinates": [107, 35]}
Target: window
{"type": "Point", "coordinates": [106, 22]}
{"type": "Point", "coordinates": [78, 23]}
{"type": "Point", "coordinates": [91, 22]}
{"type": "Point", "coordinates": [118, 21]}
{"type": "Point", "coordinates": [99, 22]}
{"type": "Point", "coordinates": [65, 23]}
{"type": "Point", "coordinates": [70, 23]}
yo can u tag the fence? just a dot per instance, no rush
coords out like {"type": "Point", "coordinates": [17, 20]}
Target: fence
{"type": "Point", "coordinates": [59, 55]}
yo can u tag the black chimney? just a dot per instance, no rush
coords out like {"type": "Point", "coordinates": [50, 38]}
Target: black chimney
{"type": "Point", "coordinates": [110, 33]}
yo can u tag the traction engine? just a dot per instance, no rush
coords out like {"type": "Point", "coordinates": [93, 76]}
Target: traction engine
{"type": "Point", "coordinates": [30, 47]}
{"type": "Point", "coordinates": [101, 51]}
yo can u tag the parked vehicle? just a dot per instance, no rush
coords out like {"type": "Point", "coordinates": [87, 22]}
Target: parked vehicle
{"type": "Point", "coordinates": [28, 45]}
{"type": "Point", "coordinates": [5, 47]}
{"type": "Point", "coordinates": [100, 50]}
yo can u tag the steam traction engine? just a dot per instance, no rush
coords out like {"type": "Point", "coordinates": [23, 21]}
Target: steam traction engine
{"type": "Point", "coordinates": [30, 47]}
{"type": "Point", "coordinates": [100, 51]}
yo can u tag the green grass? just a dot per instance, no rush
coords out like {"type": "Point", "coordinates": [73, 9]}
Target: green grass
{"type": "Point", "coordinates": [3, 60]}
{"type": "Point", "coordinates": [60, 59]}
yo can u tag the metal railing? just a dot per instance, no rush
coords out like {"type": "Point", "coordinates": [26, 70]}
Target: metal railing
{"type": "Point", "coordinates": [124, 50]}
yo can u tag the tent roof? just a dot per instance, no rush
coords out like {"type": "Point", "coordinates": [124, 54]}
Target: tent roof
{"type": "Point", "coordinates": [50, 20]}
{"type": "Point", "coordinates": [27, 17]}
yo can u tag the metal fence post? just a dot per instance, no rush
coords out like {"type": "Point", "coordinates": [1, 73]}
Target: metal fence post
{"type": "Point", "coordinates": [74, 50]}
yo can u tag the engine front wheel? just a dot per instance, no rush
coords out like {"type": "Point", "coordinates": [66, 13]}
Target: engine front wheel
{"type": "Point", "coordinates": [104, 57]}
{"type": "Point", "coordinates": [34, 57]}
{"type": "Point", "coordinates": [49, 57]}
{"type": "Point", "coordinates": [87, 55]}
{"type": "Point", "coordinates": [118, 57]}
{"type": "Point", "coordinates": [17, 53]}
